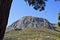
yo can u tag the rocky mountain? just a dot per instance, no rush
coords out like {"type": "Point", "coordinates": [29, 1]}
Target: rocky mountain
{"type": "Point", "coordinates": [30, 21]}
{"type": "Point", "coordinates": [32, 28]}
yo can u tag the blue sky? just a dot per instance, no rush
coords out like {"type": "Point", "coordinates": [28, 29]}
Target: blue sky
{"type": "Point", "coordinates": [20, 8]}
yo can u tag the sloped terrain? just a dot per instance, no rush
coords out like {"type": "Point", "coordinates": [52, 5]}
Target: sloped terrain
{"type": "Point", "coordinates": [30, 21]}
{"type": "Point", "coordinates": [32, 28]}
{"type": "Point", "coordinates": [32, 34]}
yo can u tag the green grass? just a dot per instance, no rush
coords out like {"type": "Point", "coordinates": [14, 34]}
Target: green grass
{"type": "Point", "coordinates": [33, 34]}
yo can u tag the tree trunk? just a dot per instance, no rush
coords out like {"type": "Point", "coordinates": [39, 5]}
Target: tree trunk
{"type": "Point", "coordinates": [4, 14]}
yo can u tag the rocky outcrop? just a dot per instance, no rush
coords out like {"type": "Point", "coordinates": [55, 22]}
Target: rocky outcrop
{"type": "Point", "coordinates": [29, 21]}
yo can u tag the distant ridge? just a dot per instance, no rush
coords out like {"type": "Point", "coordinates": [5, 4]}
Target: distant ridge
{"type": "Point", "coordinates": [30, 21]}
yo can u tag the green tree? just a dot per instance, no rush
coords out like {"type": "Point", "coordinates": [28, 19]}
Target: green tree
{"type": "Point", "coordinates": [38, 4]}
{"type": "Point", "coordinates": [59, 19]}
{"type": "Point", "coordinates": [59, 16]}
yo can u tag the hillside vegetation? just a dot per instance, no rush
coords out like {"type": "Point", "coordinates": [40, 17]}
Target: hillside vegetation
{"type": "Point", "coordinates": [32, 34]}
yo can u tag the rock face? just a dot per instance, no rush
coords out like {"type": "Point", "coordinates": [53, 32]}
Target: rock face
{"type": "Point", "coordinates": [29, 21]}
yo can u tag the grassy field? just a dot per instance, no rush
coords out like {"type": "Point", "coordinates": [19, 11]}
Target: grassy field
{"type": "Point", "coordinates": [32, 34]}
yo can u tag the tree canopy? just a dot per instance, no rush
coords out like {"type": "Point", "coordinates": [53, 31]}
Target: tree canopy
{"type": "Point", "coordinates": [38, 4]}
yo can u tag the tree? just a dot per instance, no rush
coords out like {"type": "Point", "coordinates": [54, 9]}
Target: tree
{"type": "Point", "coordinates": [38, 4]}
{"type": "Point", "coordinates": [59, 19]}
{"type": "Point", "coordinates": [4, 14]}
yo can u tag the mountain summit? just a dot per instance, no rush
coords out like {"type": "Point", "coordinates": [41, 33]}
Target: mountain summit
{"type": "Point", "coordinates": [32, 28]}
{"type": "Point", "coordinates": [30, 21]}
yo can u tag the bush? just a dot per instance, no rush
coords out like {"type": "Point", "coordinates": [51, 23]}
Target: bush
{"type": "Point", "coordinates": [59, 24]}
